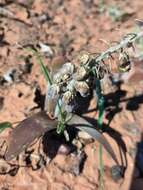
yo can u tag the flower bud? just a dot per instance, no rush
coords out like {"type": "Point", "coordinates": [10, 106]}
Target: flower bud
{"type": "Point", "coordinates": [67, 96]}
{"type": "Point", "coordinates": [67, 68]}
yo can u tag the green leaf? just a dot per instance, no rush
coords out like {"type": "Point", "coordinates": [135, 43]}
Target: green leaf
{"type": "Point", "coordinates": [46, 74]}
{"type": "Point", "coordinates": [84, 125]}
{"type": "Point", "coordinates": [5, 125]}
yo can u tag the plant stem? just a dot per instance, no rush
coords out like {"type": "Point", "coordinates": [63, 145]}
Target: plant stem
{"type": "Point", "coordinates": [60, 126]}
{"type": "Point", "coordinates": [43, 68]}
{"type": "Point", "coordinates": [130, 38]}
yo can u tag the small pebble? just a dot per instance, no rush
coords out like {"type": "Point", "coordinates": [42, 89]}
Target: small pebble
{"type": "Point", "coordinates": [116, 172]}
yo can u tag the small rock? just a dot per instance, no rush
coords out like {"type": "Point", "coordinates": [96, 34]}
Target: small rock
{"type": "Point", "coordinates": [12, 75]}
{"type": "Point", "coordinates": [43, 18]}
{"type": "Point", "coordinates": [8, 76]}
{"type": "Point", "coordinates": [84, 135]}
{"type": "Point", "coordinates": [116, 172]}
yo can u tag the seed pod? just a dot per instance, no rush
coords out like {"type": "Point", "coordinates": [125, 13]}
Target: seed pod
{"type": "Point", "coordinates": [80, 74]}
{"type": "Point", "coordinates": [67, 68]}
{"type": "Point", "coordinates": [67, 97]}
{"type": "Point", "coordinates": [84, 57]}
{"type": "Point", "coordinates": [125, 63]}
{"type": "Point", "coordinates": [71, 85]}
{"type": "Point", "coordinates": [82, 87]}
{"type": "Point", "coordinates": [57, 78]}
{"type": "Point", "coordinates": [65, 77]}
{"type": "Point", "coordinates": [51, 98]}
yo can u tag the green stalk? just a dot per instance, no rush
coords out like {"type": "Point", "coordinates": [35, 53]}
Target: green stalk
{"type": "Point", "coordinates": [40, 62]}
{"type": "Point", "coordinates": [61, 124]}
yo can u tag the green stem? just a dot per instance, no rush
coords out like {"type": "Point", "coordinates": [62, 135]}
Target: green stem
{"type": "Point", "coordinates": [61, 124]}
{"type": "Point", "coordinates": [43, 68]}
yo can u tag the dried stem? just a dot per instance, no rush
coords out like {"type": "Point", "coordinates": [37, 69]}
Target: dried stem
{"type": "Point", "coordinates": [128, 39]}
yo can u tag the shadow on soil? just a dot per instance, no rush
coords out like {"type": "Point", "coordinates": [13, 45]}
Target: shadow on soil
{"type": "Point", "coordinates": [137, 175]}
{"type": "Point", "coordinates": [113, 105]}
{"type": "Point", "coordinates": [113, 102]}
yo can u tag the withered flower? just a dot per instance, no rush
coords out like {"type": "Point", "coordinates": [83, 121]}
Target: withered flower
{"type": "Point", "coordinates": [64, 72]}
{"type": "Point", "coordinates": [80, 74]}
{"type": "Point", "coordinates": [84, 57]}
{"type": "Point", "coordinates": [82, 87]}
{"type": "Point", "coordinates": [125, 63]}
{"type": "Point", "coordinates": [67, 97]}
